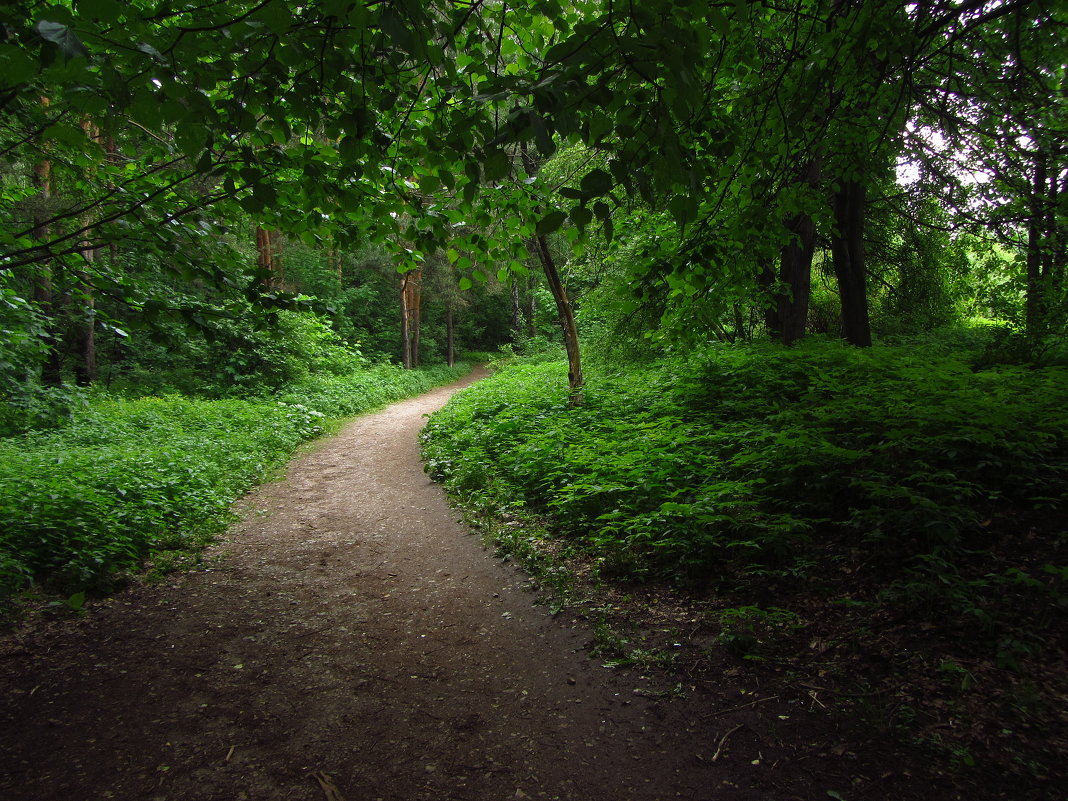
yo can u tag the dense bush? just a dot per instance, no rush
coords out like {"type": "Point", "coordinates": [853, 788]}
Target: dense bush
{"type": "Point", "coordinates": [226, 357]}
{"type": "Point", "coordinates": [353, 393]}
{"type": "Point", "coordinates": [126, 477]}
{"type": "Point", "coordinates": [750, 458]}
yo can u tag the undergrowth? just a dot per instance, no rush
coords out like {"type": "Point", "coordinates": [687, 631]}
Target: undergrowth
{"type": "Point", "coordinates": [126, 479]}
{"type": "Point", "coordinates": [886, 522]}
{"type": "Point", "coordinates": [741, 464]}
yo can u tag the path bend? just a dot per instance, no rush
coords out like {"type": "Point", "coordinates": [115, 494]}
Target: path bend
{"type": "Point", "coordinates": [349, 640]}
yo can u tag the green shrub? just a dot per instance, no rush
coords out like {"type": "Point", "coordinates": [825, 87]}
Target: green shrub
{"type": "Point", "coordinates": [357, 392]}
{"type": "Point", "coordinates": [733, 460]}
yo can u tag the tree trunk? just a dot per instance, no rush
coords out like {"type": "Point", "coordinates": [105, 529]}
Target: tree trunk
{"type": "Point", "coordinates": [787, 316]}
{"type": "Point", "coordinates": [795, 271]}
{"type": "Point", "coordinates": [406, 328]}
{"type": "Point", "coordinates": [567, 318]}
{"type": "Point", "coordinates": [517, 330]}
{"type": "Point", "coordinates": [1056, 233]}
{"type": "Point", "coordinates": [411, 298]}
{"type": "Point", "coordinates": [540, 248]}
{"type": "Point", "coordinates": [847, 253]}
{"type": "Point", "coordinates": [269, 258]}
{"type": "Point", "coordinates": [263, 252]}
{"type": "Point", "coordinates": [85, 323]}
{"type": "Point", "coordinates": [406, 334]}
{"type": "Point", "coordinates": [51, 370]}
{"type": "Point", "coordinates": [85, 328]}
{"type": "Point", "coordinates": [450, 351]}
{"type": "Point", "coordinates": [740, 334]}
{"type": "Point", "coordinates": [532, 307]}
{"type": "Point", "coordinates": [1034, 305]}
{"type": "Point", "coordinates": [417, 290]}
{"type": "Point", "coordinates": [791, 290]}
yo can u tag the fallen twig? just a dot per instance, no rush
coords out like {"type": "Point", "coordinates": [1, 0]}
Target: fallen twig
{"type": "Point", "coordinates": [723, 739]}
{"type": "Point", "coordinates": [743, 706]}
{"type": "Point", "coordinates": [328, 786]}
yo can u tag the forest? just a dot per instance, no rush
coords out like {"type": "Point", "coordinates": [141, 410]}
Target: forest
{"type": "Point", "coordinates": [774, 293]}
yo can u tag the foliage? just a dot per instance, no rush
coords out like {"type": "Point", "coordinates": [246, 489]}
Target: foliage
{"type": "Point", "coordinates": [21, 338]}
{"type": "Point", "coordinates": [124, 478]}
{"type": "Point", "coordinates": [23, 402]}
{"type": "Point", "coordinates": [123, 475]}
{"type": "Point", "coordinates": [142, 141]}
{"type": "Point", "coordinates": [29, 406]}
{"type": "Point", "coordinates": [358, 392]}
{"type": "Point", "coordinates": [742, 460]}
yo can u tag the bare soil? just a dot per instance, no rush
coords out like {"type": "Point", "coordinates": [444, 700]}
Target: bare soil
{"type": "Point", "coordinates": [349, 639]}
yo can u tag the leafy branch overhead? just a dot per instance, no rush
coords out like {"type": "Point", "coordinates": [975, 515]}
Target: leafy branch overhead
{"type": "Point", "coordinates": [764, 133]}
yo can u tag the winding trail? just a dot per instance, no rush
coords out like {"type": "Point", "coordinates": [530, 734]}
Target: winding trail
{"type": "Point", "coordinates": [351, 641]}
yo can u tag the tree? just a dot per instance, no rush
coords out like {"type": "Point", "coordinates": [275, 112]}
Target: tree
{"type": "Point", "coordinates": [411, 312]}
{"type": "Point", "coordinates": [752, 125]}
{"type": "Point", "coordinates": [759, 129]}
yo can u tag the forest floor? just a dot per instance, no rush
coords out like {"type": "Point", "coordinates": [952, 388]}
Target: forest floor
{"type": "Point", "coordinates": [349, 639]}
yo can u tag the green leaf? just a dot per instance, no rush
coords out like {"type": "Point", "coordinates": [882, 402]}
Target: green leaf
{"type": "Point", "coordinates": [497, 165]}
{"type": "Point", "coordinates": [719, 21]}
{"type": "Point", "coordinates": [550, 222]}
{"type": "Point", "coordinates": [275, 16]}
{"type": "Point", "coordinates": [103, 10]}
{"type": "Point", "coordinates": [16, 66]}
{"type": "Point", "coordinates": [64, 134]}
{"type": "Point", "coordinates": [581, 216]}
{"type": "Point", "coordinates": [252, 204]}
{"type": "Point", "coordinates": [428, 184]}
{"type": "Point", "coordinates": [596, 183]}
{"type": "Point", "coordinates": [465, 283]}
{"type": "Point", "coordinates": [542, 137]}
{"type": "Point", "coordinates": [683, 209]}
{"type": "Point", "coordinates": [149, 50]}
{"type": "Point", "coordinates": [190, 138]}
{"type": "Point", "coordinates": [63, 37]}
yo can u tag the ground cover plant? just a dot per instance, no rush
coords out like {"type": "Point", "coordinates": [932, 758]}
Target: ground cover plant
{"type": "Point", "coordinates": [124, 479]}
{"type": "Point", "coordinates": [877, 519]}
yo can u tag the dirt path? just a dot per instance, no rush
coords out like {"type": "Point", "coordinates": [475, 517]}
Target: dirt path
{"type": "Point", "coordinates": [354, 643]}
